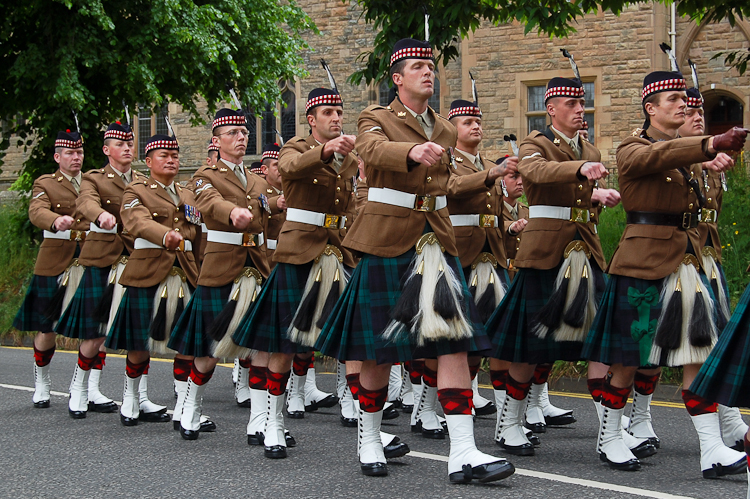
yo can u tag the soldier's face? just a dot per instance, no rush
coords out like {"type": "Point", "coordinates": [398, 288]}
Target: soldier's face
{"type": "Point", "coordinates": [70, 161]}
{"type": "Point", "coordinates": [327, 121]}
{"type": "Point", "coordinates": [695, 124]}
{"type": "Point", "coordinates": [668, 112]}
{"type": "Point", "coordinates": [514, 185]}
{"type": "Point", "coordinates": [119, 151]}
{"type": "Point", "coordinates": [232, 140]}
{"type": "Point", "coordinates": [212, 158]}
{"type": "Point", "coordinates": [566, 113]}
{"type": "Point", "coordinates": [163, 163]}
{"type": "Point", "coordinates": [272, 171]}
{"type": "Point", "coordinates": [417, 79]}
{"type": "Point", "coordinates": [469, 129]}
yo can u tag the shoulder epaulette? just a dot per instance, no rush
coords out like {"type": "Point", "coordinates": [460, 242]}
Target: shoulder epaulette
{"type": "Point", "coordinates": [637, 132]}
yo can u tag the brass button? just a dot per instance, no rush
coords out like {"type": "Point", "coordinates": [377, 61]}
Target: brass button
{"type": "Point", "coordinates": [690, 206]}
{"type": "Point", "coordinates": [691, 189]}
{"type": "Point", "coordinates": [709, 200]}
{"type": "Point", "coordinates": [155, 214]}
{"type": "Point", "coordinates": [489, 194]}
{"type": "Point", "coordinates": [249, 196]}
{"type": "Point", "coordinates": [177, 229]}
{"type": "Point", "coordinates": [176, 209]}
{"type": "Point", "coordinates": [176, 219]}
{"type": "Point", "coordinates": [338, 189]}
{"type": "Point", "coordinates": [580, 187]}
{"type": "Point", "coordinates": [250, 207]}
{"type": "Point", "coordinates": [429, 179]}
{"type": "Point", "coordinates": [108, 202]}
{"type": "Point", "coordinates": [58, 205]}
{"type": "Point", "coordinates": [489, 205]}
{"type": "Point", "coordinates": [578, 202]}
{"type": "Point", "coordinates": [518, 239]}
{"type": "Point", "coordinates": [336, 202]}
{"type": "Point", "coordinates": [338, 177]}
{"type": "Point", "coordinates": [78, 220]}
{"type": "Point", "coordinates": [669, 179]}
{"type": "Point", "coordinates": [269, 217]}
{"type": "Point", "coordinates": [315, 181]}
{"type": "Point", "coordinates": [591, 214]}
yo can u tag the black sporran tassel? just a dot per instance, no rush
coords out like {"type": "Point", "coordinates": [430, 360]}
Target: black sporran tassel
{"type": "Point", "coordinates": [180, 307]}
{"type": "Point", "coordinates": [331, 299]}
{"type": "Point", "coordinates": [473, 287]}
{"type": "Point", "coordinates": [306, 311]}
{"type": "Point", "coordinates": [444, 304]}
{"type": "Point", "coordinates": [101, 312]}
{"type": "Point", "coordinates": [220, 325]}
{"type": "Point", "coordinates": [669, 332]}
{"type": "Point", "coordinates": [550, 314]}
{"type": "Point", "coordinates": [157, 331]}
{"type": "Point", "coordinates": [486, 304]}
{"type": "Point", "coordinates": [700, 322]}
{"type": "Point", "coordinates": [54, 309]}
{"type": "Point", "coordinates": [575, 316]}
{"type": "Point", "coordinates": [407, 306]}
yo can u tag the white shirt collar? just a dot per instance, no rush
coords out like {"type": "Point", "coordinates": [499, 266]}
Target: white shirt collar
{"type": "Point", "coordinates": [231, 165]}
{"type": "Point", "coordinates": [567, 139]}
{"type": "Point", "coordinates": [70, 178]}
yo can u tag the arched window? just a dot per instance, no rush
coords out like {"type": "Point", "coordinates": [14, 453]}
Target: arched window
{"type": "Point", "coordinates": [384, 90]}
{"type": "Point", "coordinates": [434, 101]}
{"type": "Point", "coordinates": [281, 116]}
{"type": "Point", "coordinates": [288, 114]}
{"type": "Point", "coordinates": [722, 112]}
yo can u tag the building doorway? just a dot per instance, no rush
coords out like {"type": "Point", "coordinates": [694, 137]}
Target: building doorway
{"type": "Point", "coordinates": [723, 112]}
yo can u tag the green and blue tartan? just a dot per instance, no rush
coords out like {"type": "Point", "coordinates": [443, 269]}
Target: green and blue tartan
{"type": "Point", "coordinates": [725, 376]}
{"type": "Point", "coordinates": [355, 329]}
{"type": "Point", "coordinates": [509, 327]}
{"type": "Point", "coordinates": [77, 320]}
{"type": "Point", "coordinates": [189, 334]}
{"type": "Point", "coordinates": [265, 324]}
{"type": "Point", "coordinates": [133, 319]}
{"type": "Point", "coordinates": [30, 316]}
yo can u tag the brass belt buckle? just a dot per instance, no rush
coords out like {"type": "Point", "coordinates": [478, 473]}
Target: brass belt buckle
{"type": "Point", "coordinates": [425, 203]}
{"type": "Point", "coordinates": [249, 240]}
{"type": "Point", "coordinates": [331, 221]}
{"type": "Point", "coordinates": [487, 221]}
{"type": "Point", "coordinates": [77, 235]}
{"type": "Point", "coordinates": [579, 215]}
{"type": "Point", "coordinates": [708, 216]}
{"type": "Point", "coordinates": [689, 220]}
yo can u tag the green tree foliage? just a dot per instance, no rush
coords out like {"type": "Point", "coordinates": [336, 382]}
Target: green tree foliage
{"type": "Point", "coordinates": [451, 20]}
{"type": "Point", "coordinates": [89, 55]}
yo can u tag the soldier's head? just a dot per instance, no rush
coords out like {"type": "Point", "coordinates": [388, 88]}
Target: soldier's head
{"type": "Point", "coordinates": [513, 182]}
{"type": "Point", "coordinates": [230, 134]}
{"type": "Point", "coordinates": [664, 100]}
{"type": "Point", "coordinates": [212, 157]}
{"type": "Point", "coordinates": [584, 131]}
{"type": "Point", "coordinates": [695, 123]}
{"type": "Point", "coordinates": [270, 161]}
{"type": "Point", "coordinates": [119, 145]}
{"type": "Point", "coordinates": [163, 158]}
{"type": "Point", "coordinates": [467, 118]}
{"type": "Point", "coordinates": [565, 104]}
{"type": "Point", "coordinates": [325, 114]}
{"type": "Point", "coordinates": [69, 152]}
{"type": "Point", "coordinates": [413, 69]}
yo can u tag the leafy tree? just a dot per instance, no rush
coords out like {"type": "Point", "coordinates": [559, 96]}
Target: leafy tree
{"type": "Point", "coordinates": [89, 55]}
{"type": "Point", "coordinates": [451, 20]}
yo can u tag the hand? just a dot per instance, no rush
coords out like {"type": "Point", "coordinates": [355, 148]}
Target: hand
{"type": "Point", "coordinates": [63, 222]}
{"type": "Point", "coordinates": [733, 140]}
{"type": "Point", "coordinates": [511, 164]}
{"type": "Point", "coordinates": [593, 170]}
{"type": "Point", "coordinates": [428, 153]}
{"type": "Point", "coordinates": [172, 240]}
{"type": "Point", "coordinates": [240, 217]}
{"type": "Point", "coordinates": [343, 145]}
{"type": "Point", "coordinates": [106, 220]}
{"type": "Point", "coordinates": [281, 203]}
{"type": "Point", "coordinates": [606, 197]}
{"type": "Point", "coordinates": [720, 163]}
{"type": "Point", "coordinates": [508, 166]}
{"type": "Point", "coordinates": [518, 226]}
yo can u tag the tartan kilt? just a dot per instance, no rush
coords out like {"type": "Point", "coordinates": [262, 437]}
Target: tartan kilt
{"type": "Point", "coordinates": [265, 325]}
{"type": "Point", "coordinates": [190, 333]}
{"type": "Point", "coordinates": [77, 320]}
{"type": "Point", "coordinates": [133, 319]}
{"type": "Point", "coordinates": [355, 329]}
{"type": "Point", "coordinates": [721, 323]}
{"type": "Point", "coordinates": [509, 327]}
{"type": "Point", "coordinates": [725, 376]}
{"type": "Point", "coordinates": [610, 339]}
{"type": "Point", "coordinates": [30, 316]}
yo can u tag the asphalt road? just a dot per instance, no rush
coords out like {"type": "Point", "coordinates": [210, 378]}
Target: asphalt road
{"type": "Point", "coordinates": [45, 453]}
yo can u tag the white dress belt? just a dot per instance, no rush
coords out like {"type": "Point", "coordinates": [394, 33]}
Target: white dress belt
{"type": "Point", "coordinates": [60, 234]}
{"type": "Point", "coordinates": [403, 199]}
{"type": "Point", "coordinates": [95, 228]}
{"type": "Point", "coordinates": [474, 220]}
{"type": "Point", "coordinates": [271, 244]}
{"type": "Point", "coordinates": [235, 238]}
{"type": "Point", "coordinates": [314, 218]}
{"type": "Point", "coordinates": [141, 243]}
{"type": "Point", "coordinates": [560, 213]}
{"type": "Point", "coordinates": [204, 228]}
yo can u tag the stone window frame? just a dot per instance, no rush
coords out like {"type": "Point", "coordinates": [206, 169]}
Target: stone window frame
{"type": "Point", "coordinates": [284, 85]}
{"type": "Point", "coordinates": [156, 124]}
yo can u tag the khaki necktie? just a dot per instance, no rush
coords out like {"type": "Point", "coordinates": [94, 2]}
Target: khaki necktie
{"type": "Point", "coordinates": [240, 172]}
{"type": "Point", "coordinates": [425, 126]}
{"type": "Point", "coordinates": [173, 194]}
{"type": "Point", "coordinates": [125, 179]}
{"type": "Point", "coordinates": [576, 149]}
{"type": "Point", "coordinates": [478, 163]}
{"type": "Point", "coordinates": [76, 185]}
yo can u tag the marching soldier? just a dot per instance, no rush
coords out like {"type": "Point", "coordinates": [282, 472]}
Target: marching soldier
{"type": "Point", "coordinates": [515, 211]}
{"type": "Point", "coordinates": [234, 207]}
{"type": "Point", "coordinates": [57, 271]}
{"type": "Point", "coordinates": [657, 309]}
{"type": "Point", "coordinates": [404, 233]}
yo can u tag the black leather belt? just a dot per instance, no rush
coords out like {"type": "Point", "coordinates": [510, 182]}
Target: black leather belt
{"type": "Point", "coordinates": [680, 220]}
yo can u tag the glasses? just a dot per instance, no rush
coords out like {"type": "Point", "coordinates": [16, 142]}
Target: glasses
{"type": "Point", "coordinates": [234, 133]}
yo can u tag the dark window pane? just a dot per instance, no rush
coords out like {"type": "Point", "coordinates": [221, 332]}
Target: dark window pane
{"type": "Point", "coordinates": [434, 101]}
{"type": "Point", "coordinates": [536, 98]}
{"type": "Point", "coordinates": [384, 91]}
{"type": "Point", "coordinates": [537, 123]}
{"type": "Point", "coordinates": [288, 115]}
{"type": "Point", "coordinates": [144, 129]}
{"type": "Point", "coordinates": [252, 139]}
{"type": "Point", "coordinates": [589, 97]}
{"type": "Point", "coordinates": [268, 127]}
{"type": "Point", "coordinates": [589, 117]}
{"type": "Point", "coordinates": [161, 123]}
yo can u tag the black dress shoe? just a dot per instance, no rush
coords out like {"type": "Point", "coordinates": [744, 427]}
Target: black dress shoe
{"type": "Point", "coordinates": [348, 422]}
{"type": "Point", "coordinates": [245, 403]}
{"type": "Point", "coordinates": [207, 426]}
{"type": "Point", "coordinates": [535, 441]}
{"type": "Point", "coordinates": [536, 427]}
{"type": "Point", "coordinates": [644, 450]}
{"type": "Point", "coordinates": [155, 417]}
{"type": "Point", "coordinates": [189, 434]}
{"type": "Point", "coordinates": [560, 420]}
{"type": "Point", "coordinates": [374, 469]}
{"type": "Point", "coordinates": [297, 414]}
{"type": "Point", "coordinates": [256, 439]}
{"type": "Point", "coordinates": [289, 439]}
{"type": "Point", "coordinates": [77, 414]}
{"type": "Point", "coordinates": [739, 446]}
{"type": "Point", "coordinates": [718, 470]}
{"type": "Point", "coordinates": [390, 413]}
{"type": "Point", "coordinates": [517, 450]}
{"type": "Point", "coordinates": [275, 452]}
{"type": "Point", "coordinates": [483, 473]}
{"type": "Point", "coordinates": [105, 408]}
{"type": "Point", "coordinates": [329, 401]}
{"type": "Point", "coordinates": [407, 409]}
{"type": "Point", "coordinates": [395, 449]}
{"type": "Point", "coordinates": [490, 408]}
{"type": "Point", "coordinates": [437, 434]}
{"type": "Point", "coordinates": [42, 404]}
{"type": "Point", "coordinates": [630, 465]}
{"type": "Point", "coordinates": [126, 421]}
